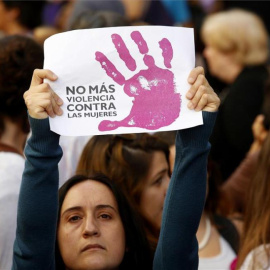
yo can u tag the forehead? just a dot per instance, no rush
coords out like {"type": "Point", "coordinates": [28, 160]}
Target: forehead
{"type": "Point", "coordinates": [89, 194]}
{"type": "Point", "coordinates": [158, 163]}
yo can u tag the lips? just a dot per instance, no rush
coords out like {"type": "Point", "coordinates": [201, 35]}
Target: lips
{"type": "Point", "coordinates": [93, 247]}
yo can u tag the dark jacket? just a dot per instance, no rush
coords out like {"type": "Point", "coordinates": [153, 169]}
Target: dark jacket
{"type": "Point", "coordinates": [232, 135]}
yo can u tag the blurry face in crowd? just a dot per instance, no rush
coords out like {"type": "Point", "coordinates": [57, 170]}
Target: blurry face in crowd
{"type": "Point", "coordinates": [6, 16]}
{"type": "Point", "coordinates": [155, 189]}
{"type": "Point", "coordinates": [217, 60]}
{"type": "Point", "coordinates": [91, 234]}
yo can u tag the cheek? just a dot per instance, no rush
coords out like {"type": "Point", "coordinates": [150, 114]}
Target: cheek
{"type": "Point", "coordinates": [67, 244]}
{"type": "Point", "coordinates": [116, 243]}
{"type": "Point", "coordinates": [152, 202]}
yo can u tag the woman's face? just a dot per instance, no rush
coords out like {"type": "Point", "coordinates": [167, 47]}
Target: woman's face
{"type": "Point", "coordinates": [217, 60]}
{"type": "Point", "coordinates": [90, 233]}
{"type": "Point", "coordinates": [156, 185]}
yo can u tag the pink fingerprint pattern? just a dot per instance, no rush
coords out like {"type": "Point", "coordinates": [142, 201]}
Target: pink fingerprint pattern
{"type": "Point", "coordinates": [155, 102]}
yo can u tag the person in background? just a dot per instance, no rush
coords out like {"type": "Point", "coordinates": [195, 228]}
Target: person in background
{"type": "Point", "coordinates": [81, 6]}
{"type": "Point", "coordinates": [19, 56]}
{"type": "Point", "coordinates": [98, 19]}
{"type": "Point", "coordinates": [255, 245]}
{"type": "Point", "coordinates": [217, 237]}
{"type": "Point", "coordinates": [169, 138]}
{"type": "Point", "coordinates": [238, 58]}
{"type": "Point", "coordinates": [20, 17]}
{"type": "Point", "coordinates": [235, 188]}
{"type": "Point", "coordinates": [166, 12]}
{"type": "Point", "coordinates": [139, 164]}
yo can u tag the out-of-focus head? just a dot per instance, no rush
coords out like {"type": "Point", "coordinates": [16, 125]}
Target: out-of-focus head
{"type": "Point", "coordinates": [138, 163]}
{"type": "Point", "coordinates": [28, 14]}
{"type": "Point", "coordinates": [239, 34]}
{"type": "Point", "coordinates": [97, 228]}
{"type": "Point", "coordinates": [19, 56]}
{"type": "Point", "coordinates": [40, 34]}
{"type": "Point", "coordinates": [98, 19]}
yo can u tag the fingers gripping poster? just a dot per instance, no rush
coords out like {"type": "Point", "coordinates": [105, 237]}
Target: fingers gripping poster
{"type": "Point", "coordinates": [122, 79]}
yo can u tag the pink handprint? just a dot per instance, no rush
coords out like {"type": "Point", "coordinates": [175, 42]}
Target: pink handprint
{"type": "Point", "coordinates": [156, 103]}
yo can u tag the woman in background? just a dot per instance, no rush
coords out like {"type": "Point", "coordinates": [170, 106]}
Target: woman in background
{"type": "Point", "coordinates": [238, 58]}
{"type": "Point", "coordinates": [217, 237]}
{"type": "Point", "coordinates": [19, 56]}
{"type": "Point", "coordinates": [255, 247]}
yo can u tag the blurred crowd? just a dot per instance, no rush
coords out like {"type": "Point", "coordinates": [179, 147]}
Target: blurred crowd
{"type": "Point", "coordinates": [232, 44]}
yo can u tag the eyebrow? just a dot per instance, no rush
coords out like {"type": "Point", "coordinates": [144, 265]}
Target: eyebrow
{"type": "Point", "coordinates": [104, 206]}
{"type": "Point", "coordinates": [98, 207]}
{"type": "Point", "coordinates": [165, 170]}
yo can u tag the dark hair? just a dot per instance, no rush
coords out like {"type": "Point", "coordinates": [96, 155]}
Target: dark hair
{"type": "Point", "coordinates": [30, 15]}
{"type": "Point", "coordinates": [217, 202]}
{"type": "Point", "coordinates": [19, 56]}
{"type": "Point", "coordinates": [167, 136]}
{"type": "Point", "coordinates": [98, 19]}
{"type": "Point", "coordinates": [138, 255]}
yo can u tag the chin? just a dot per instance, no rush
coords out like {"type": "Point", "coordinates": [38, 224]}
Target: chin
{"type": "Point", "coordinates": [93, 261]}
{"type": "Point", "coordinates": [215, 73]}
{"type": "Point", "coordinates": [93, 265]}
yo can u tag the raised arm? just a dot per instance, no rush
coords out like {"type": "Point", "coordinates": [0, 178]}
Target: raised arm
{"type": "Point", "coordinates": [177, 247]}
{"type": "Point", "coordinates": [38, 200]}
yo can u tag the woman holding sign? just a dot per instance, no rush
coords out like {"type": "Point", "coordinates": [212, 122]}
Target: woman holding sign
{"type": "Point", "coordinates": [90, 232]}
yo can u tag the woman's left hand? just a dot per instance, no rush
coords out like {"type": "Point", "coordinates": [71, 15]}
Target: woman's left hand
{"type": "Point", "coordinates": [201, 95]}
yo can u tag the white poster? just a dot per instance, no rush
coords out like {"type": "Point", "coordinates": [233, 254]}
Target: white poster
{"type": "Point", "coordinates": [122, 79]}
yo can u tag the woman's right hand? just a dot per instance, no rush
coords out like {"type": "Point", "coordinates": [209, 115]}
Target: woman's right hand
{"type": "Point", "coordinates": [40, 99]}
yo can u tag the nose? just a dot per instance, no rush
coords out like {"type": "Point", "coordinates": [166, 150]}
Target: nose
{"type": "Point", "coordinates": [90, 227]}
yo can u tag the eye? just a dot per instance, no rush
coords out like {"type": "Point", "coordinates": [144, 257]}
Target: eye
{"type": "Point", "coordinates": [105, 216]}
{"type": "Point", "coordinates": [74, 219]}
{"type": "Point", "coordinates": [162, 177]}
{"type": "Point", "coordinates": [158, 181]}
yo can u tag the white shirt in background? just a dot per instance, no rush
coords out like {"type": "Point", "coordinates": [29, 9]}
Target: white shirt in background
{"type": "Point", "coordinates": [11, 169]}
{"type": "Point", "coordinates": [220, 262]}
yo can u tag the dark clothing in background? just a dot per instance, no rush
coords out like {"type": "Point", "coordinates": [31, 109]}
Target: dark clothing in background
{"type": "Point", "coordinates": [261, 8]}
{"type": "Point", "coordinates": [232, 134]}
{"type": "Point", "coordinates": [228, 231]}
{"type": "Point", "coordinates": [82, 5]}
